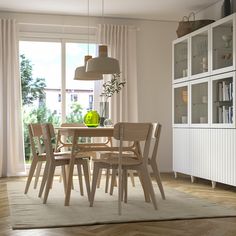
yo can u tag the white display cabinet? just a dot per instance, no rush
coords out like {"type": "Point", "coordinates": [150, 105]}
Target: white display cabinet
{"type": "Point", "coordinates": [203, 107]}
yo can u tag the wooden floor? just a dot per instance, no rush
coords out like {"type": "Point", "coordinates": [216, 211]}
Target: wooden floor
{"type": "Point", "coordinates": [199, 227]}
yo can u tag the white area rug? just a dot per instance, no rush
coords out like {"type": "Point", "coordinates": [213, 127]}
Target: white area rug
{"type": "Point", "coordinates": [28, 211]}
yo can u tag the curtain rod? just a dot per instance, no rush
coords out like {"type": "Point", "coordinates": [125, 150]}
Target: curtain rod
{"type": "Point", "coordinates": [59, 25]}
{"type": "Point", "coordinates": [75, 26]}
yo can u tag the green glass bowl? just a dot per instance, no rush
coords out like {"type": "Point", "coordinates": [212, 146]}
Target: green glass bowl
{"type": "Point", "coordinates": [92, 119]}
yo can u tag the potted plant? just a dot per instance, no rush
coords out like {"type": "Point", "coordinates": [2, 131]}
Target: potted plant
{"type": "Point", "coordinates": [110, 87]}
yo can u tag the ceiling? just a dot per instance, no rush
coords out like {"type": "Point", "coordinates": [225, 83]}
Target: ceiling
{"type": "Point", "coordinates": [169, 10]}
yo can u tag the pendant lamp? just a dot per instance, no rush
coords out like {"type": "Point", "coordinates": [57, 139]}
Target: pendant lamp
{"type": "Point", "coordinates": [80, 72]}
{"type": "Point", "coordinates": [103, 64]}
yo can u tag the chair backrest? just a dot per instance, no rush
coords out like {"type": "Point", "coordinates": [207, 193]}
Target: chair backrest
{"type": "Point", "coordinates": [62, 137]}
{"type": "Point", "coordinates": [35, 135]}
{"type": "Point", "coordinates": [48, 136]}
{"type": "Point", "coordinates": [156, 133]}
{"type": "Point", "coordinates": [135, 132]}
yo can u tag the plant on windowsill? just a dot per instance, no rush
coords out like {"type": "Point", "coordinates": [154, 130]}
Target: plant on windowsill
{"type": "Point", "coordinates": [110, 87]}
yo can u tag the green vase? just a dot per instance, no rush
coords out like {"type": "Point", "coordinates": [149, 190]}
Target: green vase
{"type": "Point", "coordinates": [92, 119]}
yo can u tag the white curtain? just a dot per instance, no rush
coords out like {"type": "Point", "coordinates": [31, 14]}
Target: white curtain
{"type": "Point", "coordinates": [11, 136]}
{"type": "Point", "coordinates": [121, 42]}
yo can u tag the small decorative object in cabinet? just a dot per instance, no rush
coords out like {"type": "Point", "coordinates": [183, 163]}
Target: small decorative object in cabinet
{"type": "Point", "coordinates": [181, 105]}
{"type": "Point", "coordinates": [199, 52]}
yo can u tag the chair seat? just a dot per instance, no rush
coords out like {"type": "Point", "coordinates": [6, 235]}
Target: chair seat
{"type": "Point", "coordinates": [43, 155]}
{"type": "Point", "coordinates": [115, 161]}
{"type": "Point", "coordinates": [116, 155]}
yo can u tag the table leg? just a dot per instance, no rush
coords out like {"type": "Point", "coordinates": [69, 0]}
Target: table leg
{"type": "Point", "coordinates": [70, 173]}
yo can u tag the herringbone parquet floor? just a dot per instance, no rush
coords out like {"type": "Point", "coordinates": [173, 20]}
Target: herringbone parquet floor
{"type": "Point", "coordinates": [198, 227]}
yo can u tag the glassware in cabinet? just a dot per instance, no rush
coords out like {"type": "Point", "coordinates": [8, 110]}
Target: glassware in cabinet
{"type": "Point", "coordinates": [181, 59]}
{"type": "Point", "coordinates": [199, 53]}
{"type": "Point", "coordinates": [222, 46]}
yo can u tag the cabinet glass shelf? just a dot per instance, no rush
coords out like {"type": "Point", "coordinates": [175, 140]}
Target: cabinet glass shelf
{"type": "Point", "coordinates": [199, 103]}
{"type": "Point", "coordinates": [181, 59]}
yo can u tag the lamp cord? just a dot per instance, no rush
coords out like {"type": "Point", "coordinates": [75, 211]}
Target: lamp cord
{"type": "Point", "coordinates": [88, 26]}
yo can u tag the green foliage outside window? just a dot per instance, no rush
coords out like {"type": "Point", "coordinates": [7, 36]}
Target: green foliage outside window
{"type": "Point", "coordinates": [33, 89]}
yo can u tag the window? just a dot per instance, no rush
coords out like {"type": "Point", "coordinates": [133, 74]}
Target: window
{"type": "Point", "coordinates": [48, 94]}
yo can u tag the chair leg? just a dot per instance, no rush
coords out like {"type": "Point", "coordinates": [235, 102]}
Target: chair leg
{"type": "Point", "coordinates": [86, 177]}
{"type": "Point", "coordinates": [60, 178]}
{"type": "Point", "coordinates": [145, 190]}
{"type": "Point", "coordinates": [107, 179]}
{"type": "Point", "coordinates": [148, 183]}
{"type": "Point", "coordinates": [131, 175]}
{"type": "Point", "coordinates": [158, 178]}
{"type": "Point", "coordinates": [63, 174]}
{"type": "Point", "coordinates": [45, 177]}
{"type": "Point", "coordinates": [125, 185]}
{"type": "Point", "coordinates": [99, 178]}
{"type": "Point", "coordinates": [113, 180]}
{"type": "Point", "coordinates": [37, 173]}
{"type": "Point", "coordinates": [49, 182]}
{"type": "Point", "coordinates": [94, 183]}
{"type": "Point", "coordinates": [89, 168]}
{"type": "Point", "coordinates": [31, 174]}
{"type": "Point", "coordinates": [80, 180]}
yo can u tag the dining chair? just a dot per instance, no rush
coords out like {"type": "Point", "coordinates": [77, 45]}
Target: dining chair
{"type": "Point", "coordinates": [53, 161]}
{"type": "Point", "coordinates": [128, 132]}
{"type": "Point", "coordinates": [64, 142]}
{"type": "Point", "coordinates": [152, 160]}
{"type": "Point", "coordinates": [38, 156]}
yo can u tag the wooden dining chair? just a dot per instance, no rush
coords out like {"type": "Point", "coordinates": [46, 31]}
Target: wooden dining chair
{"type": "Point", "coordinates": [38, 156]}
{"type": "Point", "coordinates": [64, 142]}
{"type": "Point", "coordinates": [131, 132]}
{"type": "Point", "coordinates": [62, 160]}
{"type": "Point", "coordinates": [152, 160]}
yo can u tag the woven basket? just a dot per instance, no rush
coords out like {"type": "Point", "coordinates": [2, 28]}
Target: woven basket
{"type": "Point", "coordinates": [187, 26]}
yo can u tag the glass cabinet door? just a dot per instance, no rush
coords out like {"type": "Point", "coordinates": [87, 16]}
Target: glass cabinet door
{"type": "Point", "coordinates": [222, 99]}
{"type": "Point", "coordinates": [181, 59]}
{"type": "Point", "coordinates": [222, 39]}
{"type": "Point", "coordinates": [181, 105]}
{"type": "Point", "coordinates": [199, 103]}
{"type": "Point", "coordinates": [199, 53]}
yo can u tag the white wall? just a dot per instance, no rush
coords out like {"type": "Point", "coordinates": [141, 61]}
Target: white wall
{"type": "Point", "coordinates": [213, 12]}
{"type": "Point", "coordinates": [154, 68]}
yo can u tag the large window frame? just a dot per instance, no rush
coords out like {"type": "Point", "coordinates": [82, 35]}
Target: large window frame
{"type": "Point", "coordinates": [64, 38]}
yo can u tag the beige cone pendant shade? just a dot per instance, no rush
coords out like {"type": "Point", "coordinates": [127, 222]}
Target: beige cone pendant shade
{"type": "Point", "coordinates": [81, 74]}
{"type": "Point", "coordinates": [103, 64]}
